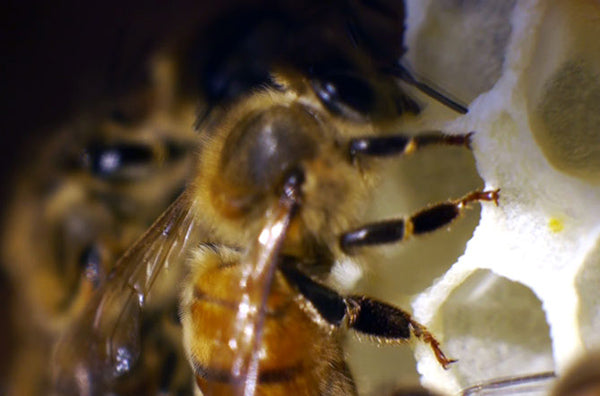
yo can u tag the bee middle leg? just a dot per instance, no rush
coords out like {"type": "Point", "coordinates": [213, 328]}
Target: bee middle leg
{"type": "Point", "coordinates": [425, 221]}
{"type": "Point", "coordinates": [365, 315]}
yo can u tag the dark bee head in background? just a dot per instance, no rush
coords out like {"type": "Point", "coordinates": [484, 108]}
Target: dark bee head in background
{"type": "Point", "coordinates": [340, 46]}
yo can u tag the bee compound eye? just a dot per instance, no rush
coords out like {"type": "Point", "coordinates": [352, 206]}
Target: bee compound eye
{"type": "Point", "coordinates": [269, 144]}
{"type": "Point", "coordinates": [345, 94]}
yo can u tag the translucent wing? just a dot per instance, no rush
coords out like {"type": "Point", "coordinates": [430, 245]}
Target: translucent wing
{"type": "Point", "coordinates": [240, 347]}
{"type": "Point", "coordinates": [104, 344]}
{"type": "Point", "coordinates": [528, 385]}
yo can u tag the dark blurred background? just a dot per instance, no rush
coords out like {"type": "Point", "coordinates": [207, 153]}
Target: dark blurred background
{"type": "Point", "coordinates": [61, 57]}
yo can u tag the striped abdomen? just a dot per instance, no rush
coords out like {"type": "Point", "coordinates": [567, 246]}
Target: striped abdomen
{"type": "Point", "coordinates": [298, 356]}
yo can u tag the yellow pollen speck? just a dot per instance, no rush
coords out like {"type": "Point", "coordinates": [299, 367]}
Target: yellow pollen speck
{"type": "Point", "coordinates": [556, 225]}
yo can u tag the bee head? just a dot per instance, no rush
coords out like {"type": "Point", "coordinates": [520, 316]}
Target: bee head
{"type": "Point", "coordinates": [263, 139]}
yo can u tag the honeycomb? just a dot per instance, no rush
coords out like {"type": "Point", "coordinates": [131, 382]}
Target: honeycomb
{"type": "Point", "coordinates": [524, 297]}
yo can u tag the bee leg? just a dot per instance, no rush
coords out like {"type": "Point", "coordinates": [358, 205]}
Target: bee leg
{"type": "Point", "coordinates": [330, 305]}
{"type": "Point", "coordinates": [368, 316]}
{"type": "Point", "coordinates": [389, 324]}
{"type": "Point", "coordinates": [425, 221]}
{"type": "Point", "coordinates": [399, 144]}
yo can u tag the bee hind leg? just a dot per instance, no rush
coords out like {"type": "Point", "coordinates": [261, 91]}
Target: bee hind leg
{"type": "Point", "coordinates": [365, 315]}
{"type": "Point", "coordinates": [387, 323]}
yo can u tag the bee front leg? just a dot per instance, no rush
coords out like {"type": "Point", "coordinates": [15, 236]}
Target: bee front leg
{"type": "Point", "coordinates": [402, 144]}
{"type": "Point", "coordinates": [365, 315]}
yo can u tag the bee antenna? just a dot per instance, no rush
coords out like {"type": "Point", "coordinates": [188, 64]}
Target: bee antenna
{"type": "Point", "coordinates": [403, 74]}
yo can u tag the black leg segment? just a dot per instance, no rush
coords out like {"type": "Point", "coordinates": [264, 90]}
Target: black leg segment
{"type": "Point", "coordinates": [433, 218]}
{"type": "Point", "coordinates": [400, 144]}
{"type": "Point", "coordinates": [331, 305]}
{"type": "Point", "coordinates": [390, 324]}
{"type": "Point", "coordinates": [425, 221]}
{"type": "Point", "coordinates": [378, 319]}
{"type": "Point", "coordinates": [365, 315]}
{"type": "Point", "coordinates": [374, 234]}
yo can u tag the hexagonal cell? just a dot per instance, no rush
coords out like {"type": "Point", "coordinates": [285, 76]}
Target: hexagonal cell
{"type": "Point", "coordinates": [570, 120]}
{"type": "Point", "coordinates": [495, 328]}
{"type": "Point", "coordinates": [546, 218]}
{"type": "Point", "coordinates": [564, 88]}
{"type": "Point", "coordinates": [472, 67]}
{"type": "Point", "coordinates": [586, 283]}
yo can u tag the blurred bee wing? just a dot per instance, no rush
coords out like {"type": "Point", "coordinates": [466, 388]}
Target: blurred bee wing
{"type": "Point", "coordinates": [104, 343]}
{"type": "Point", "coordinates": [528, 385]}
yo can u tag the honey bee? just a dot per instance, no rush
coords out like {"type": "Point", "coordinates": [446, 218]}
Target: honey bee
{"type": "Point", "coordinates": [291, 147]}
